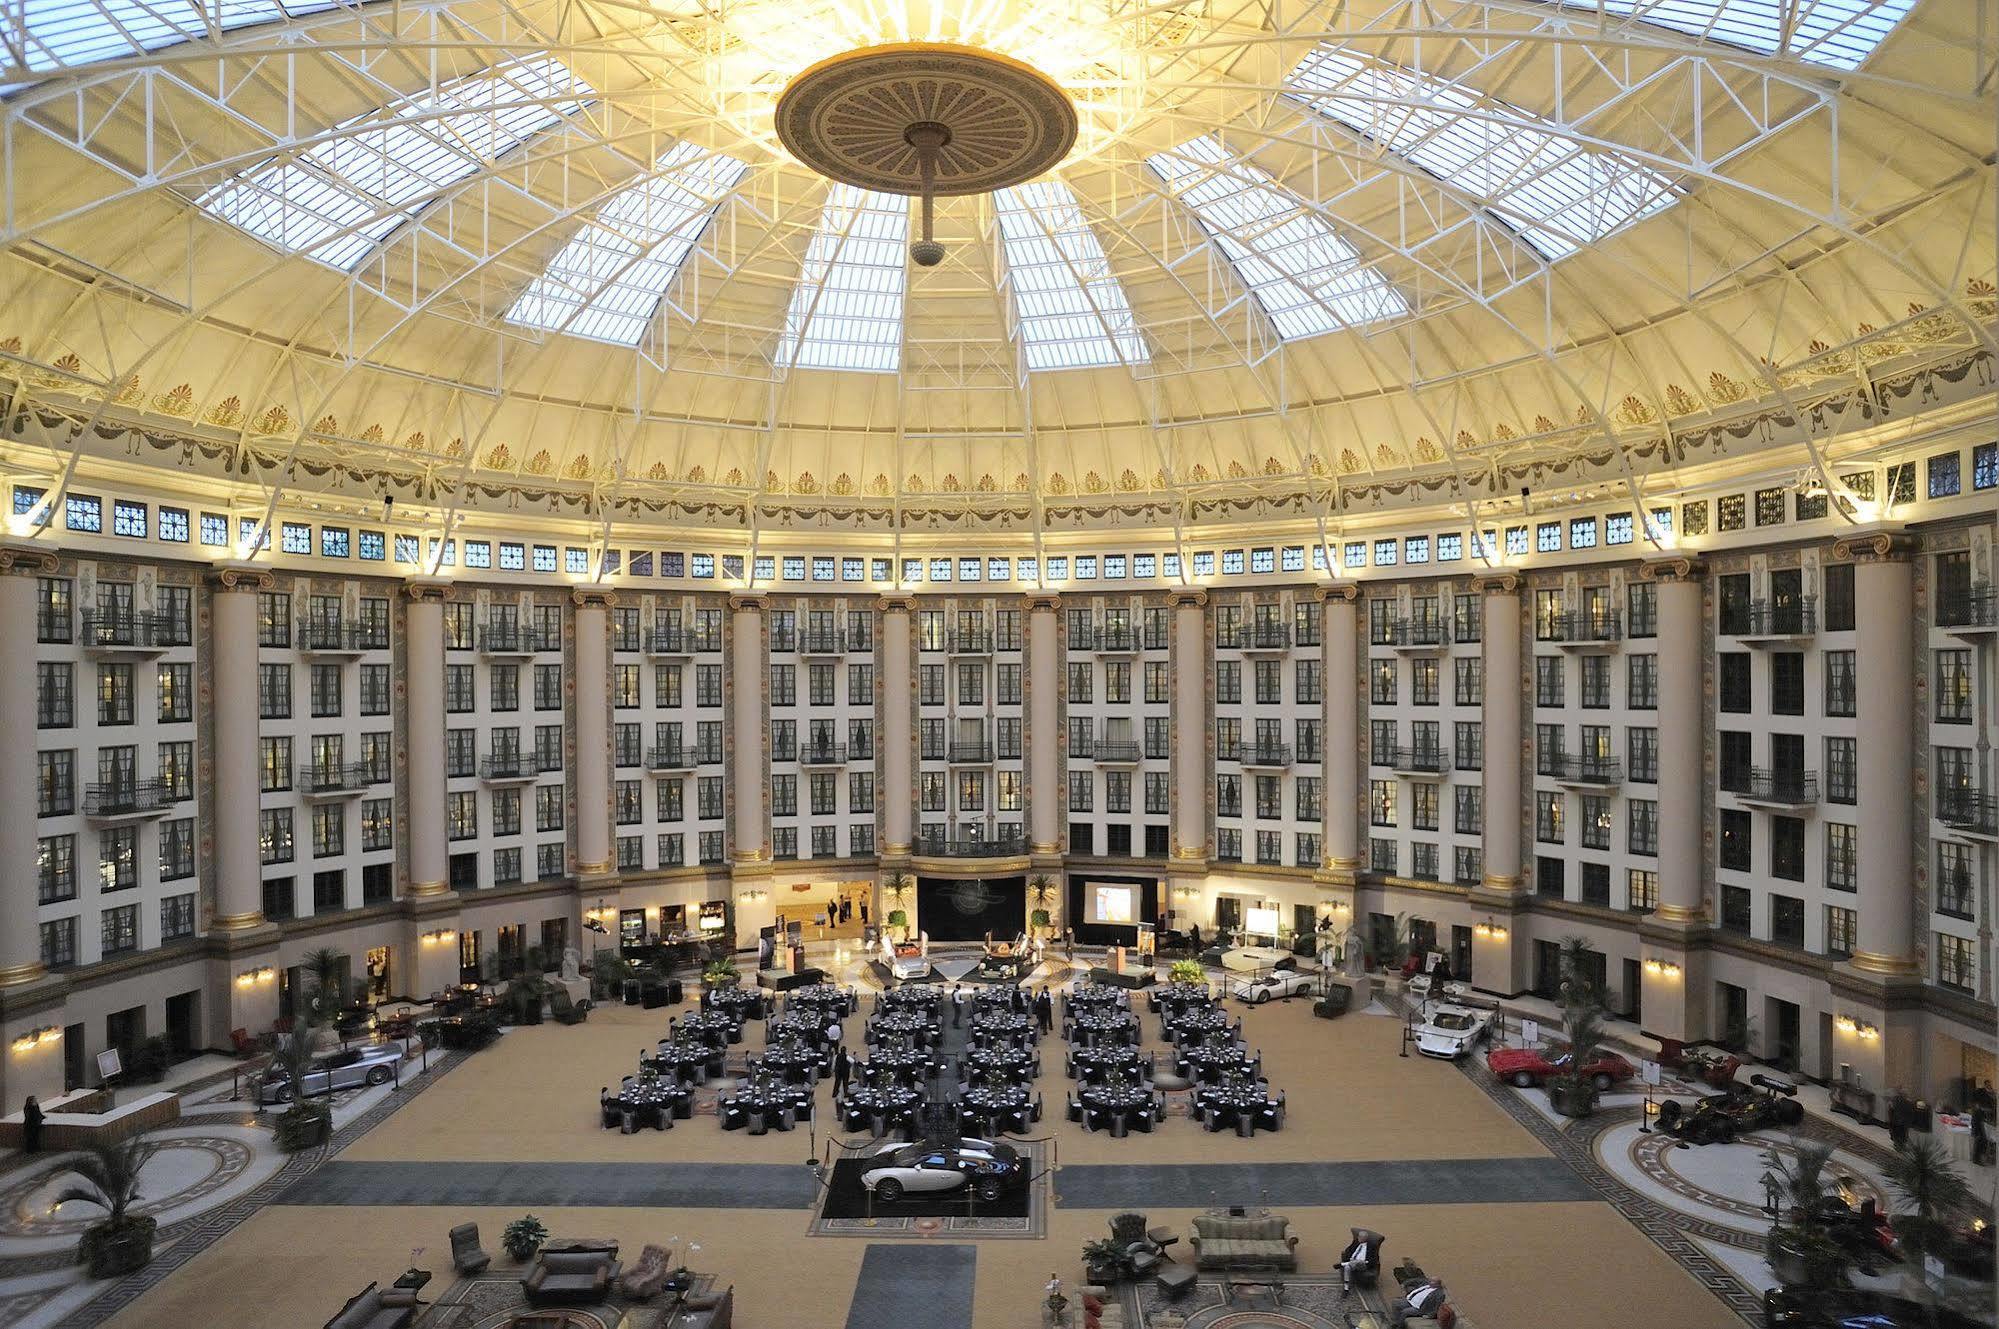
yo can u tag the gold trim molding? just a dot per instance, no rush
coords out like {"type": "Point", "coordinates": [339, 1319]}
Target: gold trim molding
{"type": "Point", "coordinates": [18, 975]}
{"type": "Point", "coordinates": [1679, 913]}
{"type": "Point", "coordinates": [418, 889]}
{"type": "Point", "coordinates": [1502, 882]}
{"type": "Point", "coordinates": [243, 922]}
{"type": "Point", "coordinates": [1887, 966]}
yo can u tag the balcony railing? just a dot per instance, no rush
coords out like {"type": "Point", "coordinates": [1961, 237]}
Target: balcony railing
{"type": "Point", "coordinates": [332, 635]}
{"type": "Point", "coordinates": [1757, 784]}
{"type": "Point", "coordinates": [969, 641]}
{"type": "Point", "coordinates": [105, 629]}
{"type": "Point", "coordinates": [1421, 761]}
{"type": "Point", "coordinates": [670, 758]}
{"type": "Point", "coordinates": [1258, 637]}
{"type": "Point", "coordinates": [822, 754]}
{"type": "Point", "coordinates": [945, 846]}
{"type": "Point", "coordinates": [1407, 634]}
{"type": "Point", "coordinates": [1584, 628]}
{"type": "Point", "coordinates": [1115, 751]}
{"type": "Point", "coordinates": [128, 798]}
{"type": "Point", "coordinates": [1581, 770]}
{"type": "Point", "coordinates": [1779, 618]}
{"type": "Point", "coordinates": [1968, 811]}
{"type": "Point", "coordinates": [1259, 754]}
{"type": "Point", "coordinates": [971, 754]}
{"type": "Point", "coordinates": [668, 641]}
{"type": "Point", "coordinates": [1110, 637]}
{"type": "Point", "coordinates": [513, 639]}
{"type": "Point", "coordinates": [334, 778]}
{"type": "Point", "coordinates": [822, 642]}
{"type": "Point", "coordinates": [1976, 608]}
{"type": "Point", "coordinates": [508, 766]}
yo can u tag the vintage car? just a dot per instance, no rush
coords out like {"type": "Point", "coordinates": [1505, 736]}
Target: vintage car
{"type": "Point", "coordinates": [907, 961]}
{"type": "Point", "coordinates": [1281, 980]}
{"type": "Point", "coordinates": [1524, 1067]}
{"type": "Point", "coordinates": [929, 1166]}
{"type": "Point", "coordinates": [1448, 1030]}
{"type": "Point", "coordinates": [374, 1063]}
{"type": "Point", "coordinates": [1742, 1108]}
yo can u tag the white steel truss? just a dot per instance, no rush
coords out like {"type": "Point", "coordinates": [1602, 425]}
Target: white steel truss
{"type": "Point", "coordinates": [1072, 311]}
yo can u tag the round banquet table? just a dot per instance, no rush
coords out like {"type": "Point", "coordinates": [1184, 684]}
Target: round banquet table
{"type": "Point", "coordinates": [916, 1026]}
{"type": "Point", "coordinates": [988, 1110]}
{"type": "Point", "coordinates": [1114, 1107]}
{"type": "Point", "coordinates": [915, 997]}
{"type": "Point", "coordinates": [741, 1003]}
{"type": "Point", "coordinates": [894, 1064]}
{"type": "Point", "coordinates": [715, 1028]}
{"type": "Point", "coordinates": [651, 1100]}
{"type": "Point", "coordinates": [1198, 1024]}
{"type": "Point", "coordinates": [798, 1063]}
{"type": "Point", "coordinates": [879, 1107]}
{"type": "Point", "coordinates": [761, 1106]}
{"type": "Point", "coordinates": [1172, 998]}
{"type": "Point", "coordinates": [825, 999]}
{"type": "Point", "coordinates": [1095, 997]}
{"type": "Point", "coordinates": [999, 1065]}
{"type": "Point", "coordinates": [1004, 998]}
{"type": "Point", "coordinates": [1002, 1025]}
{"type": "Point", "coordinates": [1214, 1064]}
{"type": "Point", "coordinates": [686, 1060]}
{"type": "Point", "coordinates": [1095, 1065]}
{"type": "Point", "coordinates": [1099, 1027]}
{"type": "Point", "coordinates": [806, 1027]}
{"type": "Point", "coordinates": [1240, 1104]}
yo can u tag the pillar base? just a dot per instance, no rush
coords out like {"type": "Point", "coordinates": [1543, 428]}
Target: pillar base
{"type": "Point", "coordinates": [1498, 951]}
{"type": "Point", "coordinates": [430, 943]}
{"type": "Point", "coordinates": [31, 1014]}
{"type": "Point", "coordinates": [1877, 1024]}
{"type": "Point", "coordinates": [243, 970]}
{"type": "Point", "coordinates": [1674, 979]}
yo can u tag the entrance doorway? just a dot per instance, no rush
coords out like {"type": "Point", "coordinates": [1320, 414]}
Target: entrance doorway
{"type": "Point", "coordinates": [1461, 952]}
{"type": "Point", "coordinates": [1732, 1010]}
{"type": "Point", "coordinates": [75, 1062]}
{"type": "Point", "coordinates": [468, 957]}
{"type": "Point", "coordinates": [1781, 1023]}
{"type": "Point", "coordinates": [1547, 969]}
{"type": "Point", "coordinates": [125, 1030]}
{"type": "Point", "coordinates": [1228, 915]}
{"type": "Point", "coordinates": [183, 1019]}
{"type": "Point", "coordinates": [1634, 992]}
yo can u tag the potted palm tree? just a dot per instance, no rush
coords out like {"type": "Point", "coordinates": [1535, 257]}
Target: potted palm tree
{"type": "Point", "coordinates": [1186, 971]}
{"type": "Point", "coordinates": [306, 1122]}
{"type": "Point", "coordinates": [719, 973]}
{"type": "Point", "coordinates": [1799, 1249]}
{"type": "Point", "coordinates": [108, 1177]}
{"type": "Point", "coordinates": [1929, 1190]}
{"type": "Point", "coordinates": [897, 888]}
{"type": "Point", "coordinates": [1041, 893]}
{"type": "Point", "coordinates": [325, 973]}
{"type": "Point", "coordinates": [1573, 1092]}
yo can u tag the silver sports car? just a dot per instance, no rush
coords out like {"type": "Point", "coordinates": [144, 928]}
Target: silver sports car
{"type": "Point", "coordinates": [374, 1063]}
{"type": "Point", "coordinates": [990, 1169]}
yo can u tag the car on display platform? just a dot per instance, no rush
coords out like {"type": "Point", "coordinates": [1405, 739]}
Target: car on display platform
{"type": "Point", "coordinates": [1279, 981]}
{"type": "Point", "coordinates": [988, 1167]}
{"type": "Point", "coordinates": [1801, 1307]}
{"type": "Point", "coordinates": [907, 961]}
{"type": "Point", "coordinates": [1448, 1030]}
{"type": "Point", "coordinates": [1525, 1067]}
{"type": "Point", "coordinates": [1740, 1109]}
{"type": "Point", "coordinates": [349, 1069]}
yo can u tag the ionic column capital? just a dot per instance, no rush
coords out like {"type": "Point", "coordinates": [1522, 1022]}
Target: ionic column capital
{"type": "Point", "coordinates": [898, 602]}
{"type": "Point", "coordinates": [1340, 592]}
{"type": "Point", "coordinates": [1680, 567]}
{"type": "Point", "coordinates": [748, 601]}
{"type": "Point", "coordinates": [1874, 547]}
{"type": "Point", "coordinates": [1496, 583]}
{"type": "Point", "coordinates": [241, 577]}
{"type": "Point", "coordinates": [1185, 597]}
{"type": "Point", "coordinates": [27, 559]}
{"type": "Point", "coordinates": [1042, 601]}
{"type": "Point", "coordinates": [593, 597]}
{"type": "Point", "coordinates": [426, 590]}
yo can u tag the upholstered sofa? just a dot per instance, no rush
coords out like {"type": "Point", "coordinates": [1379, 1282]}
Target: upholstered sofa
{"type": "Point", "coordinates": [1225, 1241]}
{"type": "Point", "coordinates": [570, 1276]}
{"type": "Point", "coordinates": [376, 1307]}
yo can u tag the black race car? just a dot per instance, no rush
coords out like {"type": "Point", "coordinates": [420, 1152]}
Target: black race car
{"type": "Point", "coordinates": [1719, 1118]}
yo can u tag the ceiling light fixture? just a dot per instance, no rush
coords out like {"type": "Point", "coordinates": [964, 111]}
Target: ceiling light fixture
{"type": "Point", "coordinates": [925, 119]}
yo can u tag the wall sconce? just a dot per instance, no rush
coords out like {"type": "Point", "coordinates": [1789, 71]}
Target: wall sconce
{"type": "Point", "coordinates": [752, 896]}
{"type": "Point", "coordinates": [252, 977]}
{"type": "Point", "coordinates": [1182, 891]}
{"type": "Point", "coordinates": [1663, 968]}
{"type": "Point", "coordinates": [439, 937]}
{"type": "Point", "coordinates": [34, 1038]}
{"type": "Point", "coordinates": [1490, 930]}
{"type": "Point", "coordinates": [1846, 1024]}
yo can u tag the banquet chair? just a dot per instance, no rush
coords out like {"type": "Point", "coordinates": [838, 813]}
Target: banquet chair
{"type": "Point", "coordinates": [1119, 1126]}
{"type": "Point", "coordinates": [759, 1121]}
{"type": "Point", "coordinates": [1245, 1124]}
{"type": "Point", "coordinates": [683, 1107]}
{"type": "Point", "coordinates": [1211, 1119]}
{"type": "Point", "coordinates": [627, 1122]}
{"type": "Point", "coordinates": [733, 1116]}
{"type": "Point", "coordinates": [787, 1117]}
{"type": "Point", "coordinates": [1143, 1121]}
{"type": "Point", "coordinates": [1074, 1107]}
{"type": "Point", "coordinates": [607, 1108]}
{"type": "Point", "coordinates": [1036, 1116]}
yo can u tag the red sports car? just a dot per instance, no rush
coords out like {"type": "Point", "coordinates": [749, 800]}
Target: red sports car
{"type": "Point", "coordinates": [1531, 1066]}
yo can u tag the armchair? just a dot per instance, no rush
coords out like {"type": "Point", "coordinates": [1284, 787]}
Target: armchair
{"type": "Point", "coordinates": [570, 1276]}
{"type": "Point", "coordinates": [467, 1257]}
{"type": "Point", "coordinates": [648, 1274]}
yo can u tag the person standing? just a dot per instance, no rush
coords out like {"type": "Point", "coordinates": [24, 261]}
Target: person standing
{"type": "Point", "coordinates": [864, 913]}
{"type": "Point", "coordinates": [1194, 939]}
{"type": "Point", "coordinates": [834, 1033]}
{"type": "Point", "coordinates": [957, 1006]}
{"type": "Point", "coordinates": [843, 1070]}
{"type": "Point", "coordinates": [1899, 1114]}
{"type": "Point", "coordinates": [1044, 1011]}
{"type": "Point", "coordinates": [1981, 1138]}
{"type": "Point", "coordinates": [31, 1126]}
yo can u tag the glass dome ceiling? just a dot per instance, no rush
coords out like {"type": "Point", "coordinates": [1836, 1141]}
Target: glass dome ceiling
{"type": "Point", "coordinates": [523, 254]}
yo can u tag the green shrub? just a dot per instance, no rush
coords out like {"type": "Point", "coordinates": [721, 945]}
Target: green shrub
{"type": "Point", "coordinates": [523, 1237]}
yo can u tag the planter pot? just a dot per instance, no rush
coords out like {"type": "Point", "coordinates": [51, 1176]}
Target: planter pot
{"type": "Point", "coordinates": [1573, 1100]}
{"type": "Point", "coordinates": [303, 1128]}
{"type": "Point", "coordinates": [109, 1252]}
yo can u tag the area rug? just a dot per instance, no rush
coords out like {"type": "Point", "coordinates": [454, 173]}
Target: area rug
{"type": "Point", "coordinates": [843, 1209]}
{"type": "Point", "coordinates": [1310, 1302]}
{"type": "Point", "coordinates": [489, 1301]}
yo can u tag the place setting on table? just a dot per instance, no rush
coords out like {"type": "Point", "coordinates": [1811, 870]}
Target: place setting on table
{"type": "Point", "coordinates": [999, 1063]}
{"type": "Point", "coordinates": [1241, 1102]}
{"type": "Point", "coordinates": [1173, 998]}
{"type": "Point", "coordinates": [740, 1003]}
{"type": "Point", "coordinates": [796, 1062]}
{"type": "Point", "coordinates": [645, 1100]}
{"type": "Point", "coordinates": [766, 1101]}
{"type": "Point", "coordinates": [1095, 1065]}
{"type": "Point", "coordinates": [803, 1027]}
{"type": "Point", "coordinates": [1003, 1025]}
{"type": "Point", "coordinates": [715, 1028]}
{"type": "Point", "coordinates": [1115, 1106]}
{"type": "Point", "coordinates": [685, 1059]}
{"type": "Point", "coordinates": [915, 997]}
{"type": "Point", "coordinates": [1212, 1063]}
{"type": "Point", "coordinates": [1094, 997]}
{"type": "Point", "coordinates": [986, 1110]}
{"type": "Point", "coordinates": [827, 1000]}
{"type": "Point", "coordinates": [1097, 1027]}
{"type": "Point", "coordinates": [893, 1064]}
{"type": "Point", "coordinates": [1002, 999]}
{"type": "Point", "coordinates": [1199, 1023]}
{"type": "Point", "coordinates": [878, 1107]}
{"type": "Point", "coordinates": [911, 1026]}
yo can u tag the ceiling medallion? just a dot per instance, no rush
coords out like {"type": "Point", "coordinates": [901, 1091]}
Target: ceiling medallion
{"type": "Point", "coordinates": [926, 118]}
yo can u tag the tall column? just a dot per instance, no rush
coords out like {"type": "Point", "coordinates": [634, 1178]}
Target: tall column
{"type": "Point", "coordinates": [429, 863]}
{"type": "Point", "coordinates": [1340, 759]}
{"type": "Point", "coordinates": [746, 723]}
{"type": "Point", "coordinates": [898, 732]}
{"type": "Point", "coordinates": [31, 999]}
{"type": "Point", "coordinates": [1191, 773]}
{"type": "Point", "coordinates": [593, 731]}
{"type": "Point", "coordinates": [1885, 662]}
{"type": "Point", "coordinates": [1497, 947]}
{"type": "Point", "coordinates": [246, 946]}
{"type": "Point", "coordinates": [1047, 794]}
{"type": "Point", "coordinates": [1674, 985]}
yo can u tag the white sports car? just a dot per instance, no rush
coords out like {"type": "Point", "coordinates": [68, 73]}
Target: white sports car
{"type": "Point", "coordinates": [1451, 1031]}
{"type": "Point", "coordinates": [1277, 983]}
{"type": "Point", "coordinates": [369, 1064]}
{"type": "Point", "coordinates": [906, 960]}
{"type": "Point", "coordinates": [990, 1169]}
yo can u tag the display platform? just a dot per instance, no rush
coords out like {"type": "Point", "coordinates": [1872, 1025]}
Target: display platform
{"type": "Point", "coordinates": [845, 1199]}
{"type": "Point", "coordinates": [1253, 959]}
{"type": "Point", "coordinates": [1140, 978]}
{"type": "Point", "coordinates": [782, 980]}
{"type": "Point", "coordinates": [889, 980]}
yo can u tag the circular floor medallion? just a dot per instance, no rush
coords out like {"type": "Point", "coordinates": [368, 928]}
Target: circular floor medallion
{"type": "Point", "coordinates": [1000, 121]}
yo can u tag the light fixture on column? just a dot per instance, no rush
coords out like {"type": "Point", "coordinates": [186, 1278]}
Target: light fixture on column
{"type": "Point", "coordinates": [37, 1036]}
{"type": "Point", "coordinates": [1662, 968]}
{"type": "Point", "coordinates": [1490, 930]}
{"type": "Point", "coordinates": [439, 937]}
{"type": "Point", "coordinates": [924, 119]}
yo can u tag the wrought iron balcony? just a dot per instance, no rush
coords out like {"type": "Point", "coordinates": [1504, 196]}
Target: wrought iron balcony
{"type": "Point", "coordinates": [1969, 612]}
{"type": "Point", "coordinates": [330, 636]}
{"type": "Point", "coordinates": [1581, 628]}
{"type": "Point", "coordinates": [668, 641]}
{"type": "Point", "coordinates": [1420, 761]}
{"type": "Point", "coordinates": [503, 767]}
{"type": "Point", "coordinates": [131, 630]}
{"type": "Point", "coordinates": [1115, 752]}
{"type": "Point", "coordinates": [969, 641]}
{"type": "Point", "coordinates": [1772, 788]}
{"type": "Point", "coordinates": [1418, 634]}
{"type": "Point", "coordinates": [1259, 637]}
{"type": "Point", "coordinates": [1777, 620]}
{"type": "Point", "coordinates": [822, 642]}
{"type": "Point", "coordinates": [513, 639]}
{"type": "Point", "coordinates": [946, 846]}
{"type": "Point", "coordinates": [1110, 638]}
{"type": "Point", "coordinates": [1597, 771]}
{"type": "Point", "coordinates": [1969, 812]}
{"type": "Point", "coordinates": [334, 778]}
{"type": "Point", "coordinates": [1271, 756]}
{"type": "Point", "coordinates": [822, 754]}
{"type": "Point", "coordinates": [971, 754]}
{"type": "Point", "coordinates": [670, 757]}
{"type": "Point", "coordinates": [128, 798]}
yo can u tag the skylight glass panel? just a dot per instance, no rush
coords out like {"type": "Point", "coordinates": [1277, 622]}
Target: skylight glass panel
{"type": "Point", "coordinates": [846, 311]}
{"type": "Point", "coordinates": [1839, 34]}
{"type": "Point", "coordinates": [1307, 278]}
{"type": "Point", "coordinates": [325, 202]}
{"type": "Point", "coordinates": [53, 34]}
{"type": "Point", "coordinates": [1557, 193]}
{"type": "Point", "coordinates": [608, 281]}
{"type": "Point", "coordinates": [1073, 311]}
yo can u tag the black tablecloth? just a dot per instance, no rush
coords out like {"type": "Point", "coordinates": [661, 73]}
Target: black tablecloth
{"type": "Point", "coordinates": [899, 1064]}
{"type": "Point", "coordinates": [716, 1028]}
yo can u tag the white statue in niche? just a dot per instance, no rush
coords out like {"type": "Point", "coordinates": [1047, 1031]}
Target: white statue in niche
{"type": "Point", "coordinates": [572, 965]}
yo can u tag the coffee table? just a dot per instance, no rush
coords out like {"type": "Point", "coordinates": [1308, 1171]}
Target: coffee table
{"type": "Point", "coordinates": [1249, 1291]}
